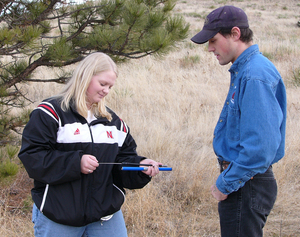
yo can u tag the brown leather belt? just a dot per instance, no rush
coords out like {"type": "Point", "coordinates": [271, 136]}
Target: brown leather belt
{"type": "Point", "coordinates": [224, 165]}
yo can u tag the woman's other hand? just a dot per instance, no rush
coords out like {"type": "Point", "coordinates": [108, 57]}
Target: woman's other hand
{"type": "Point", "coordinates": [152, 170]}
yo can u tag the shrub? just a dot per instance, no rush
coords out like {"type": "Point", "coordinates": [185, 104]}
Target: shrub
{"type": "Point", "coordinates": [296, 76]}
{"type": "Point", "coordinates": [8, 168]}
{"type": "Point", "coordinates": [7, 165]}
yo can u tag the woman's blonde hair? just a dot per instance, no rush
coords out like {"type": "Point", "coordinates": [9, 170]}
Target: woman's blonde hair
{"type": "Point", "coordinates": [75, 89]}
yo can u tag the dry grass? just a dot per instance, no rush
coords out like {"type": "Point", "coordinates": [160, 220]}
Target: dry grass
{"type": "Point", "coordinates": [172, 105]}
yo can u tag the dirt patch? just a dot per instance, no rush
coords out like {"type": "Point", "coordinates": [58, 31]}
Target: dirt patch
{"type": "Point", "coordinates": [15, 197]}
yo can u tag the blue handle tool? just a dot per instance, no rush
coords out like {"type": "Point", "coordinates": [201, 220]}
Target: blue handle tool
{"type": "Point", "coordinates": [145, 168]}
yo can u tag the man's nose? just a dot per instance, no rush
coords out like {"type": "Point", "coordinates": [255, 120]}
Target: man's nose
{"type": "Point", "coordinates": [210, 48]}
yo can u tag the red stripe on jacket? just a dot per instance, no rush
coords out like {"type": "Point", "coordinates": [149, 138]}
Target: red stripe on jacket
{"type": "Point", "coordinates": [49, 109]}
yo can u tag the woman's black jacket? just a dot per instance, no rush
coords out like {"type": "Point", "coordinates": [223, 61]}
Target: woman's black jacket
{"type": "Point", "coordinates": [53, 143]}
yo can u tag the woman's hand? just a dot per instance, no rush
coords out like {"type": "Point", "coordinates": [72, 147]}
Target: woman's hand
{"type": "Point", "coordinates": [88, 164]}
{"type": "Point", "coordinates": [152, 170]}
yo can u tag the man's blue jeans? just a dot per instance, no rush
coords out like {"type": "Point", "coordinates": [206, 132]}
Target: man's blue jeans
{"type": "Point", "coordinates": [244, 213]}
{"type": "Point", "coordinates": [44, 227]}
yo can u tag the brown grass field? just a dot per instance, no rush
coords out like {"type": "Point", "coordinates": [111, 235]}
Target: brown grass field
{"type": "Point", "coordinates": [172, 105]}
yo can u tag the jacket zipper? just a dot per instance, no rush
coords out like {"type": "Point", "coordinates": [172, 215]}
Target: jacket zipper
{"type": "Point", "coordinates": [91, 177]}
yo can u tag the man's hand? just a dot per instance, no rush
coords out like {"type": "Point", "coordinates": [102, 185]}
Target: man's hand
{"type": "Point", "coordinates": [217, 193]}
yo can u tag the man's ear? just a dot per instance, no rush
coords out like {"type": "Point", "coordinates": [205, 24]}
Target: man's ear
{"type": "Point", "coordinates": [236, 33]}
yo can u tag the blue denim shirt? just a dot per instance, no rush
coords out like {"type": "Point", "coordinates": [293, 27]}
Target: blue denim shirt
{"type": "Point", "coordinates": [250, 132]}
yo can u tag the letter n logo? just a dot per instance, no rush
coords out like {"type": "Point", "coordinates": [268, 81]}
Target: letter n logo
{"type": "Point", "coordinates": [109, 134]}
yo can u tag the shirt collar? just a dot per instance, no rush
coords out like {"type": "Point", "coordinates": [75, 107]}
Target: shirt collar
{"type": "Point", "coordinates": [241, 60]}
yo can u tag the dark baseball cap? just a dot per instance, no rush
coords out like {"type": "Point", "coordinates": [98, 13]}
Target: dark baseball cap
{"type": "Point", "coordinates": [225, 17]}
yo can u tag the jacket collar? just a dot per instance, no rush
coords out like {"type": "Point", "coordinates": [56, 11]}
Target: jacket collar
{"type": "Point", "coordinates": [99, 119]}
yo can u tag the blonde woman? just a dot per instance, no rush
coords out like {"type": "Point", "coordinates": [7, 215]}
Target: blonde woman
{"type": "Point", "coordinates": [66, 138]}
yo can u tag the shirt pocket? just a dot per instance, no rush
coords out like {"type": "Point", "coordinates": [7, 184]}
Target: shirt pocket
{"type": "Point", "coordinates": [233, 124]}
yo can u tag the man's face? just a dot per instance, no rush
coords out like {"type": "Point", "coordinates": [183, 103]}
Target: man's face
{"type": "Point", "coordinates": [223, 48]}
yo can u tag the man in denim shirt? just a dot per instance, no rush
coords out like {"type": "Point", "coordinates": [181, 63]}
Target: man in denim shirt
{"type": "Point", "coordinates": [250, 134]}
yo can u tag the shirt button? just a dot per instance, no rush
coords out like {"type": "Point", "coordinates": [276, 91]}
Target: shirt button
{"type": "Point", "coordinates": [221, 120]}
{"type": "Point", "coordinates": [227, 102]}
{"type": "Point", "coordinates": [232, 84]}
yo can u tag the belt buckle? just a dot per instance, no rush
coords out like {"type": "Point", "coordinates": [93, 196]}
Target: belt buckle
{"type": "Point", "coordinates": [223, 165]}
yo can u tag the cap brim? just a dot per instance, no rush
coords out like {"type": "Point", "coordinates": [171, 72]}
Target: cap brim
{"type": "Point", "coordinates": [203, 36]}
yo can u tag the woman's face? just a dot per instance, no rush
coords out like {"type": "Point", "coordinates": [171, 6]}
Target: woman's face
{"type": "Point", "coordinates": [100, 86]}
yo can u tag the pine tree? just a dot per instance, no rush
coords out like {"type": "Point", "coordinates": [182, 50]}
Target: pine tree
{"type": "Point", "coordinates": [54, 33]}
